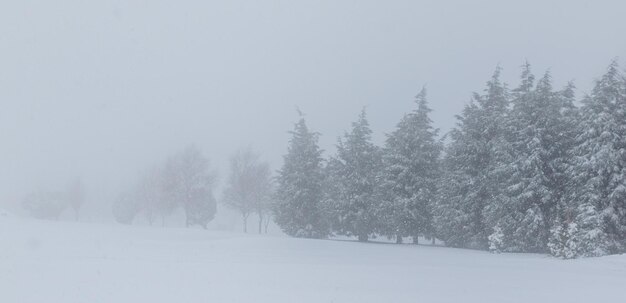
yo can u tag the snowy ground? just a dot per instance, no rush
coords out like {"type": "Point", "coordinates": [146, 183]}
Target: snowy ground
{"type": "Point", "coordinates": [67, 262]}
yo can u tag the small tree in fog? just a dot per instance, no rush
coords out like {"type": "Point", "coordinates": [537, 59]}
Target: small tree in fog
{"type": "Point", "coordinates": [126, 207]}
{"type": "Point", "coordinates": [188, 181]}
{"type": "Point", "coordinates": [249, 185]}
{"type": "Point", "coordinates": [76, 196]}
{"type": "Point", "coordinates": [263, 198]}
{"type": "Point", "coordinates": [152, 198]}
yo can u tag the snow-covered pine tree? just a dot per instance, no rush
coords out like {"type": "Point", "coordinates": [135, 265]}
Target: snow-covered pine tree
{"type": "Point", "coordinates": [411, 161]}
{"type": "Point", "coordinates": [472, 168]}
{"type": "Point", "coordinates": [599, 174]}
{"type": "Point", "coordinates": [298, 210]}
{"type": "Point", "coordinates": [563, 242]}
{"type": "Point", "coordinates": [354, 173]}
{"type": "Point", "coordinates": [540, 138]}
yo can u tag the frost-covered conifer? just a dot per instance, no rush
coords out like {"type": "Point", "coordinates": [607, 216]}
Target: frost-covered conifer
{"type": "Point", "coordinates": [411, 159]}
{"type": "Point", "coordinates": [540, 138]}
{"type": "Point", "coordinates": [354, 180]}
{"type": "Point", "coordinates": [599, 172]}
{"type": "Point", "coordinates": [472, 168]}
{"type": "Point", "coordinates": [298, 209]}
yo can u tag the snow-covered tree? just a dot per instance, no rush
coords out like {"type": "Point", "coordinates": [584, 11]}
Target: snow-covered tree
{"type": "Point", "coordinates": [298, 209]}
{"type": "Point", "coordinates": [563, 242]}
{"type": "Point", "coordinates": [249, 186]}
{"type": "Point", "coordinates": [411, 171]}
{"type": "Point", "coordinates": [599, 173]}
{"type": "Point", "coordinates": [188, 180]}
{"type": "Point", "coordinates": [354, 177]}
{"type": "Point", "coordinates": [541, 134]}
{"type": "Point", "coordinates": [472, 168]}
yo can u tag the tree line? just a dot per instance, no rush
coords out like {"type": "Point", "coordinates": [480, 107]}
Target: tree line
{"type": "Point", "coordinates": [528, 169]}
{"type": "Point", "coordinates": [44, 204]}
{"type": "Point", "coordinates": [186, 181]}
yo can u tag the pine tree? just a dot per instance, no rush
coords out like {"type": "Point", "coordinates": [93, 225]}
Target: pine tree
{"type": "Point", "coordinates": [473, 168]}
{"type": "Point", "coordinates": [599, 175]}
{"type": "Point", "coordinates": [354, 175]}
{"type": "Point", "coordinates": [539, 140]}
{"type": "Point", "coordinates": [298, 210]}
{"type": "Point", "coordinates": [411, 160]}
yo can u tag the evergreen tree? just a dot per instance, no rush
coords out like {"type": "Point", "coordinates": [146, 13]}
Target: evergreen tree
{"type": "Point", "coordinates": [298, 209]}
{"type": "Point", "coordinates": [535, 181]}
{"type": "Point", "coordinates": [411, 160]}
{"type": "Point", "coordinates": [473, 168]}
{"type": "Point", "coordinates": [599, 174]}
{"type": "Point", "coordinates": [353, 173]}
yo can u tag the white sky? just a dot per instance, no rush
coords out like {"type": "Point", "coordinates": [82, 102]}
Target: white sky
{"type": "Point", "coordinates": [103, 89]}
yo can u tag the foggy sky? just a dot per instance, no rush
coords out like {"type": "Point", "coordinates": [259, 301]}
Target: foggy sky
{"type": "Point", "coordinates": [104, 89]}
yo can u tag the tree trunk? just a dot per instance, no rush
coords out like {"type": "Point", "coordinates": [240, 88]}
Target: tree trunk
{"type": "Point", "coordinates": [363, 238]}
{"type": "Point", "coordinates": [260, 223]}
{"type": "Point", "coordinates": [267, 223]}
{"type": "Point", "coordinates": [398, 239]}
{"type": "Point", "coordinates": [245, 223]}
{"type": "Point", "coordinates": [416, 240]}
{"type": "Point", "coordinates": [433, 241]}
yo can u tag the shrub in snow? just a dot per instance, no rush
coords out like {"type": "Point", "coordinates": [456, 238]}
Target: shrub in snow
{"type": "Point", "coordinates": [45, 205]}
{"type": "Point", "coordinates": [496, 240]}
{"type": "Point", "coordinates": [125, 208]}
{"type": "Point", "coordinates": [563, 241]}
{"type": "Point", "coordinates": [200, 209]}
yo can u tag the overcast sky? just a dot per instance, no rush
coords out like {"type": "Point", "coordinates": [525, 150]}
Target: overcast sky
{"type": "Point", "coordinates": [103, 89]}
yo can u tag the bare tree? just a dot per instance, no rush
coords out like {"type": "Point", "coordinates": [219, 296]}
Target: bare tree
{"type": "Point", "coordinates": [152, 197]}
{"type": "Point", "coordinates": [261, 197]}
{"type": "Point", "coordinates": [188, 181]}
{"type": "Point", "coordinates": [248, 186]}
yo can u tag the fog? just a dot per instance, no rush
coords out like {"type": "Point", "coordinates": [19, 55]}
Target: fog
{"type": "Point", "coordinates": [102, 90]}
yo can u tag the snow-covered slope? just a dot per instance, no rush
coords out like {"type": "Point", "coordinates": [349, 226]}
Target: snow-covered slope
{"type": "Point", "coordinates": [66, 262]}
